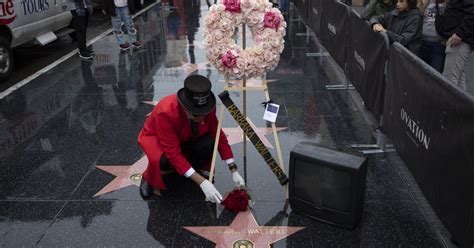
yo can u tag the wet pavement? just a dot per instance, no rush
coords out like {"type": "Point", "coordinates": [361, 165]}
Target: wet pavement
{"type": "Point", "coordinates": [31, 58]}
{"type": "Point", "coordinates": [70, 162]}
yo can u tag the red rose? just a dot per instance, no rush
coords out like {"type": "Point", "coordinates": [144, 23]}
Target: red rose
{"type": "Point", "coordinates": [271, 20]}
{"type": "Point", "coordinates": [232, 6]}
{"type": "Point", "coordinates": [237, 200]}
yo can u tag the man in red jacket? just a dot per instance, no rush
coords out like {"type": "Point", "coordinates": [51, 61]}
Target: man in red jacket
{"type": "Point", "coordinates": [179, 137]}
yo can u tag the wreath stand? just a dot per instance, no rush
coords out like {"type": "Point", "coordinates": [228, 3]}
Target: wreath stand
{"type": "Point", "coordinates": [244, 89]}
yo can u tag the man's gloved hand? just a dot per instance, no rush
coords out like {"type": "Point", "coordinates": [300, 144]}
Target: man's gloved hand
{"type": "Point", "coordinates": [91, 10]}
{"type": "Point", "coordinates": [210, 191]}
{"type": "Point", "coordinates": [238, 180]}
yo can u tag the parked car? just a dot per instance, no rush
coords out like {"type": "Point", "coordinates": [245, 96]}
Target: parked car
{"type": "Point", "coordinates": [29, 21]}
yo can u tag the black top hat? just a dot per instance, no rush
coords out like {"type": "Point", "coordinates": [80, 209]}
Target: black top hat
{"type": "Point", "coordinates": [196, 96]}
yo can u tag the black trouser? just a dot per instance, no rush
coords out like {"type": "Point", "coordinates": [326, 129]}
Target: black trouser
{"type": "Point", "coordinates": [80, 24]}
{"type": "Point", "coordinates": [198, 152]}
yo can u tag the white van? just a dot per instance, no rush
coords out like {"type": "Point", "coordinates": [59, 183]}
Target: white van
{"type": "Point", "coordinates": [22, 21]}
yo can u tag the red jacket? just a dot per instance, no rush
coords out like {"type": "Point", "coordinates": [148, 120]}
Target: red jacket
{"type": "Point", "coordinates": [165, 130]}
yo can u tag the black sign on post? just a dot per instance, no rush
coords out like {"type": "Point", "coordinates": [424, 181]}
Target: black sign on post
{"type": "Point", "coordinates": [334, 30]}
{"type": "Point", "coordinates": [252, 135]}
{"type": "Point", "coordinates": [431, 122]}
{"type": "Point", "coordinates": [367, 55]}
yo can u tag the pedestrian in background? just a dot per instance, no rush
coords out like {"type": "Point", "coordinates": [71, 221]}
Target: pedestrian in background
{"type": "Point", "coordinates": [401, 25]}
{"type": "Point", "coordinates": [457, 25]}
{"type": "Point", "coordinates": [377, 7]}
{"type": "Point", "coordinates": [81, 10]}
{"type": "Point", "coordinates": [119, 11]}
{"type": "Point", "coordinates": [433, 47]}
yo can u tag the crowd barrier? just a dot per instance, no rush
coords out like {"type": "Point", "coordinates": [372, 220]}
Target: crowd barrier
{"type": "Point", "coordinates": [333, 28]}
{"type": "Point", "coordinates": [366, 62]}
{"type": "Point", "coordinates": [430, 121]}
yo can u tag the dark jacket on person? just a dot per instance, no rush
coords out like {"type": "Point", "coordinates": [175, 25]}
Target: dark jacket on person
{"type": "Point", "coordinates": [459, 18]}
{"type": "Point", "coordinates": [109, 7]}
{"type": "Point", "coordinates": [377, 7]}
{"type": "Point", "coordinates": [403, 27]}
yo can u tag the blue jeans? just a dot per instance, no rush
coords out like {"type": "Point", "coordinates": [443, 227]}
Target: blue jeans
{"type": "Point", "coordinates": [122, 16]}
{"type": "Point", "coordinates": [434, 54]}
{"type": "Point", "coordinates": [284, 5]}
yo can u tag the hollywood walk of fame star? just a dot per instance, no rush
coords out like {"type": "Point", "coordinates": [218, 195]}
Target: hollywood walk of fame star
{"type": "Point", "coordinates": [125, 175]}
{"type": "Point", "coordinates": [253, 82]}
{"type": "Point", "coordinates": [236, 135]}
{"type": "Point", "coordinates": [243, 229]}
{"type": "Point", "coordinates": [189, 67]}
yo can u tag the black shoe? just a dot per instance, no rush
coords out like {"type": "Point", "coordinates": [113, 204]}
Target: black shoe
{"type": "Point", "coordinates": [86, 55]}
{"type": "Point", "coordinates": [137, 44]}
{"type": "Point", "coordinates": [124, 47]}
{"type": "Point", "coordinates": [145, 189]}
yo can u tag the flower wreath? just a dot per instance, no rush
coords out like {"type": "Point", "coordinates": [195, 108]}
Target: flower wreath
{"type": "Point", "coordinates": [267, 27]}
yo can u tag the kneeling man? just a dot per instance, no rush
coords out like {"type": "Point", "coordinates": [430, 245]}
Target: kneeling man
{"type": "Point", "coordinates": [179, 137]}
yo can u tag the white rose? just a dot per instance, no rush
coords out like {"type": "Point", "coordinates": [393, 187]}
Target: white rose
{"type": "Point", "coordinates": [258, 50]}
{"type": "Point", "coordinates": [248, 4]}
{"type": "Point", "coordinates": [256, 19]}
{"type": "Point", "coordinates": [217, 36]}
{"type": "Point", "coordinates": [219, 7]}
{"type": "Point", "coordinates": [266, 46]}
{"type": "Point", "coordinates": [224, 23]}
{"type": "Point", "coordinates": [275, 41]}
{"type": "Point", "coordinates": [241, 63]}
{"type": "Point", "coordinates": [226, 15]}
{"type": "Point", "coordinates": [268, 56]}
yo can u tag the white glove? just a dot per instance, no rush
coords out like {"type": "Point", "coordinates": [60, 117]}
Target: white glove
{"type": "Point", "coordinates": [210, 191]}
{"type": "Point", "coordinates": [238, 180]}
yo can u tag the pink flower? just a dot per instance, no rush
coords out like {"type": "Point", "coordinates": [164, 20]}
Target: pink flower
{"type": "Point", "coordinates": [232, 5]}
{"type": "Point", "coordinates": [247, 4]}
{"type": "Point", "coordinates": [229, 59]}
{"type": "Point", "coordinates": [271, 20]}
{"type": "Point", "coordinates": [240, 64]}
